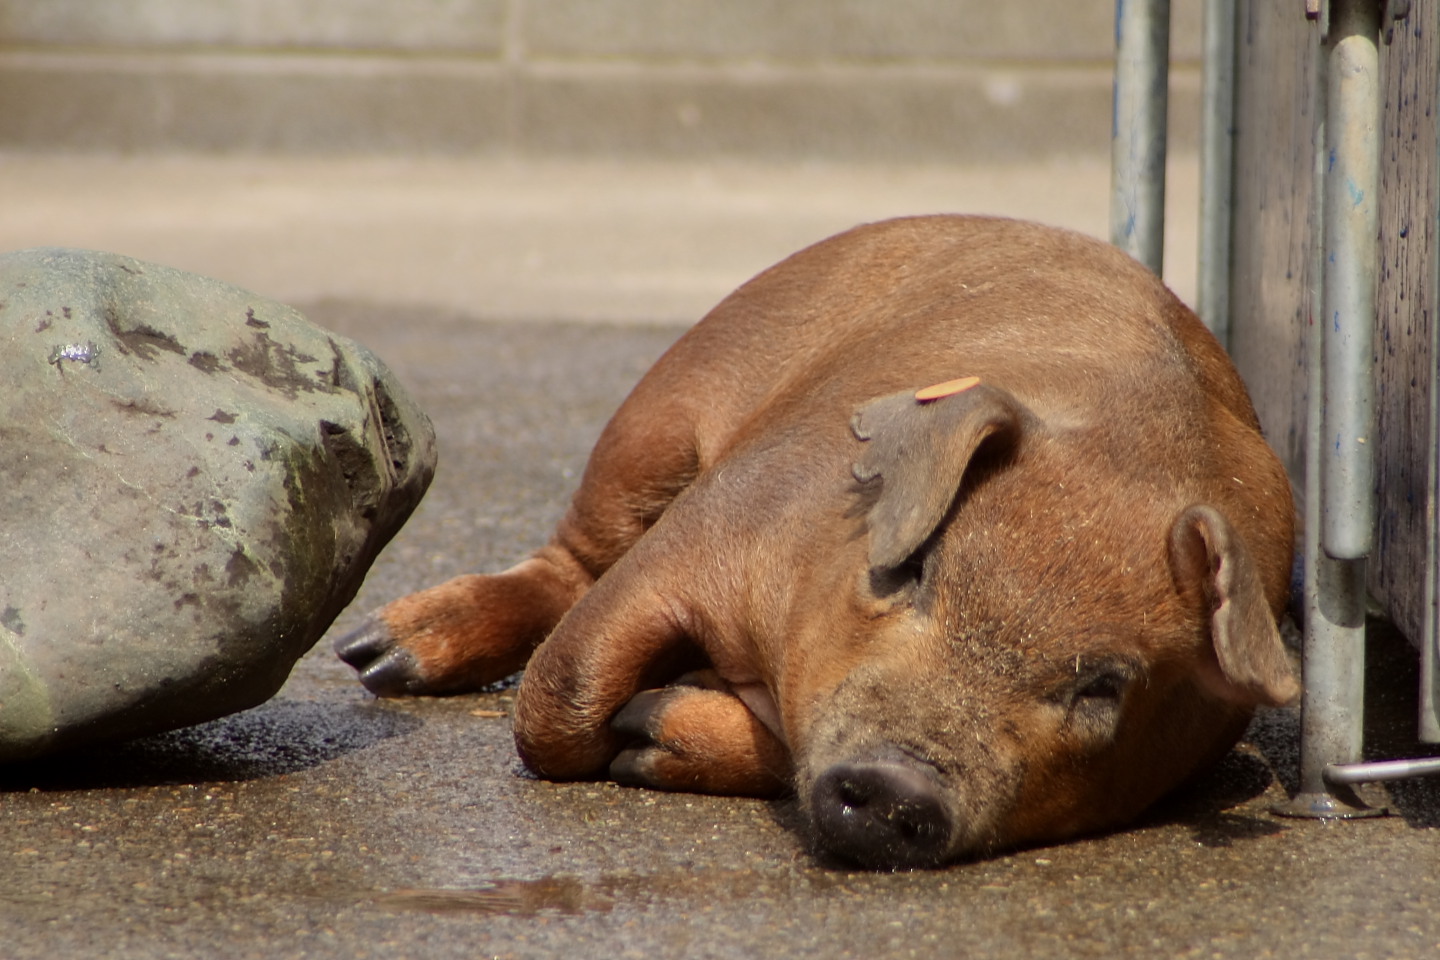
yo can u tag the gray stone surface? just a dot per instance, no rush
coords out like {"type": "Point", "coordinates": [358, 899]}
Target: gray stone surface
{"type": "Point", "coordinates": [193, 482]}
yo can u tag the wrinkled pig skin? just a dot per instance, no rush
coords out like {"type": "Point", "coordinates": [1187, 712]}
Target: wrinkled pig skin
{"type": "Point", "coordinates": [1018, 608]}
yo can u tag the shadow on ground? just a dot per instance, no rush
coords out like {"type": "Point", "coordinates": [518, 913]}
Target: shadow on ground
{"type": "Point", "coordinates": [277, 738]}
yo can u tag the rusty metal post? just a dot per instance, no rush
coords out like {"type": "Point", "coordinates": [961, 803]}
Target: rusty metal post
{"type": "Point", "coordinates": [1137, 132]}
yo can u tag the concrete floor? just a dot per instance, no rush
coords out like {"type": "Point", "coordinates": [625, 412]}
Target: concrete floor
{"type": "Point", "coordinates": [326, 823]}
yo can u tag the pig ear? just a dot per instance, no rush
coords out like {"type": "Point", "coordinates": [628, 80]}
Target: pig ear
{"type": "Point", "coordinates": [920, 449]}
{"type": "Point", "coordinates": [1208, 557]}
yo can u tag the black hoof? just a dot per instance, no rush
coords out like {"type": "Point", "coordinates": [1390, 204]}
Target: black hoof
{"type": "Point", "coordinates": [386, 669]}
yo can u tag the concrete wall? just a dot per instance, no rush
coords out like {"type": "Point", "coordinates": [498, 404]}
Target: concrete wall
{"type": "Point", "coordinates": [842, 79]}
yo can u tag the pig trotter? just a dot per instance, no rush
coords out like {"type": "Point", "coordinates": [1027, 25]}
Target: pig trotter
{"type": "Point", "coordinates": [386, 669]}
{"type": "Point", "coordinates": [885, 813]}
{"type": "Point", "coordinates": [692, 737]}
{"type": "Point", "coordinates": [465, 633]}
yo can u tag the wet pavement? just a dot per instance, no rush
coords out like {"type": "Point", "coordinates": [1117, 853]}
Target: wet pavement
{"type": "Point", "coordinates": [327, 823]}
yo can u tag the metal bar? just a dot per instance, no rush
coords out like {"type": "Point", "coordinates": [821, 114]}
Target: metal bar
{"type": "Point", "coordinates": [1217, 150]}
{"type": "Point", "coordinates": [1381, 770]}
{"type": "Point", "coordinates": [1137, 134]}
{"type": "Point", "coordinates": [1332, 708]}
{"type": "Point", "coordinates": [1351, 188]}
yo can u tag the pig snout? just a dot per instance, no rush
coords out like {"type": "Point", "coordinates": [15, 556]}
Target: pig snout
{"type": "Point", "coordinates": [886, 811]}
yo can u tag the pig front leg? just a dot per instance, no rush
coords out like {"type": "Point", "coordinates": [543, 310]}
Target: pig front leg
{"type": "Point", "coordinates": [589, 692]}
{"type": "Point", "coordinates": [696, 735]}
{"type": "Point", "coordinates": [466, 632]}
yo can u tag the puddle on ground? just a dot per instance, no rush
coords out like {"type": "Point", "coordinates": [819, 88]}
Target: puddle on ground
{"type": "Point", "coordinates": [515, 898]}
{"type": "Point", "coordinates": [572, 896]}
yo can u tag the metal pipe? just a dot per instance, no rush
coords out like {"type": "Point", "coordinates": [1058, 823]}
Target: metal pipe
{"type": "Point", "coordinates": [1381, 770]}
{"type": "Point", "coordinates": [1332, 707]}
{"type": "Point", "coordinates": [1333, 704]}
{"type": "Point", "coordinates": [1351, 188]}
{"type": "Point", "coordinates": [1217, 149]}
{"type": "Point", "coordinates": [1137, 133]}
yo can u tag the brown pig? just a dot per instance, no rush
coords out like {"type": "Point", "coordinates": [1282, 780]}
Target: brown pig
{"type": "Point", "coordinates": [961, 528]}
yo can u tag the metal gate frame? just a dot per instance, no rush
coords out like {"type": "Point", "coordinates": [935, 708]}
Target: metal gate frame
{"type": "Point", "coordinates": [1340, 467]}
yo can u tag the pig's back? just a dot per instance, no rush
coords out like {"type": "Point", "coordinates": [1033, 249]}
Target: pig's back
{"type": "Point", "coordinates": [1067, 323]}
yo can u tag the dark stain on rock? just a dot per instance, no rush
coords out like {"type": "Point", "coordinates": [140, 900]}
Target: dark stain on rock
{"type": "Point", "coordinates": [66, 312]}
{"type": "Point", "coordinates": [239, 568]}
{"type": "Point", "coordinates": [252, 321]}
{"type": "Point", "coordinates": [220, 416]}
{"type": "Point", "coordinates": [204, 362]}
{"type": "Point", "coordinates": [276, 365]}
{"type": "Point", "coordinates": [192, 472]}
{"type": "Point", "coordinates": [144, 341]}
{"type": "Point", "coordinates": [233, 442]}
{"type": "Point", "coordinates": [187, 600]}
{"type": "Point", "coordinates": [10, 619]}
{"type": "Point", "coordinates": [43, 325]}
{"type": "Point", "coordinates": [392, 428]}
{"type": "Point", "coordinates": [357, 466]}
{"type": "Point", "coordinates": [338, 374]}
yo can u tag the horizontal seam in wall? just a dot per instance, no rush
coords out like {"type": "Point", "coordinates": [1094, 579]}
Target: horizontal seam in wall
{"type": "Point", "coordinates": [369, 63]}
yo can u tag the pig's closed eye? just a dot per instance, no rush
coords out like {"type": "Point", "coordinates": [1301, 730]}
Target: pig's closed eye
{"type": "Point", "coordinates": [1095, 701]}
{"type": "Point", "coordinates": [1108, 686]}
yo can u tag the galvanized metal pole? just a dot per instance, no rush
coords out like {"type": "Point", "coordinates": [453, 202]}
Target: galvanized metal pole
{"type": "Point", "coordinates": [1340, 413]}
{"type": "Point", "coordinates": [1137, 134]}
{"type": "Point", "coordinates": [1217, 150]}
{"type": "Point", "coordinates": [1352, 227]}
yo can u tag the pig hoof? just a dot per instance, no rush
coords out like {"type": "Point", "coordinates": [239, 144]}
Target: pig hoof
{"type": "Point", "coordinates": [881, 814]}
{"type": "Point", "coordinates": [386, 669]}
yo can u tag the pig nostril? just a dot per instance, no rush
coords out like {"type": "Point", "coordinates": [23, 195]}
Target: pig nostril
{"type": "Point", "coordinates": [882, 813]}
{"type": "Point", "coordinates": [851, 794]}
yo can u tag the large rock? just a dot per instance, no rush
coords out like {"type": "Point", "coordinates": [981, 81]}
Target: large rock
{"type": "Point", "coordinates": [193, 482]}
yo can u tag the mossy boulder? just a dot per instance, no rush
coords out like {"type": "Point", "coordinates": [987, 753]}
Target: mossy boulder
{"type": "Point", "coordinates": [193, 482]}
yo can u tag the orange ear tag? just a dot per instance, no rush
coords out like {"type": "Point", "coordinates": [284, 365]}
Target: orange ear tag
{"type": "Point", "coordinates": [946, 389]}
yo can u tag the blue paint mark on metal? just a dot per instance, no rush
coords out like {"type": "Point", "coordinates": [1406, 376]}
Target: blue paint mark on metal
{"type": "Point", "coordinates": [1357, 196]}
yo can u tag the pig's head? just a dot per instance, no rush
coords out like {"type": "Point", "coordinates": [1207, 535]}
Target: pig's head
{"type": "Point", "coordinates": [1040, 644]}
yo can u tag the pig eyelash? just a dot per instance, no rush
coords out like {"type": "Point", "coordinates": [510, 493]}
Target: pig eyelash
{"type": "Point", "coordinates": [1109, 685]}
{"type": "Point", "coordinates": [1104, 679]}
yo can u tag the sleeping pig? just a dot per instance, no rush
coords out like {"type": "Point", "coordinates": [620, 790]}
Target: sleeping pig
{"type": "Point", "coordinates": [963, 529]}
